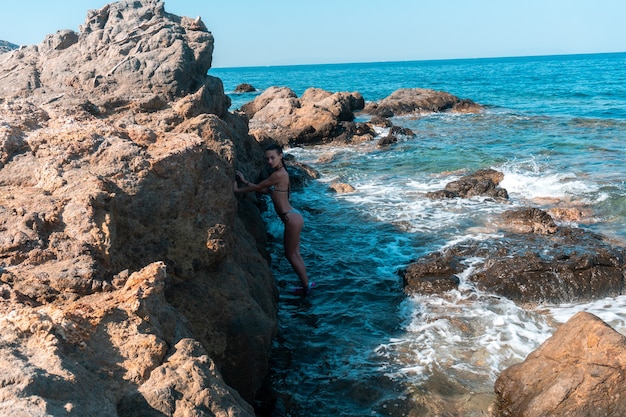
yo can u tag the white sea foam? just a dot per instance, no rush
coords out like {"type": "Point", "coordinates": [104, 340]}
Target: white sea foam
{"type": "Point", "coordinates": [529, 180]}
{"type": "Point", "coordinates": [611, 309]}
{"type": "Point", "coordinates": [475, 334]}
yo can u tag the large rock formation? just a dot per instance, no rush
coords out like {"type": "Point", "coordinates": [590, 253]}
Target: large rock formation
{"type": "Point", "coordinates": [580, 266]}
{"type": "Point", "coordinates": [317, 116]}
{"type": "Point", "coordinates": [125, 53]}
{"type": "Point", "coordinates": [580, 371]}
{"type": "Point", "coordinates": [411, 101]}
{"type": "Point", "coordinates": [119, 352]}
{"type": "Point", "coordinates": [132, 280]}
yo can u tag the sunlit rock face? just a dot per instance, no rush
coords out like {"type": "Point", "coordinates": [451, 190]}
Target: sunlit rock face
{"type": "Point", "coordinates": [131, 278]}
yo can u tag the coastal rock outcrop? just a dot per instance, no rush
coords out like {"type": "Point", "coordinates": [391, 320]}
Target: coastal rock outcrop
{"type": "Point", "coordinates": [131, 278]}
{"type": "Point", "coordinates": [318, 116]}
{"type": "Point", "coordinates": [579, 371]}
{"type": "Point", "coordinates": [245, 88]}
{"type": "Point", "coordinates": [484, 182]}
{"type": "Point", "coordinates": [580, 266]}
{"type": "Point", "coordinates": [527, 220]}
{"type": "Point", "coordinates": [110, 353]}
{"type": "Point", "coordinates": [395, 132]}
{"type": "Point", "coordinates": [127, 53]}
{"type": "Point", "coordinates": [408, 101]}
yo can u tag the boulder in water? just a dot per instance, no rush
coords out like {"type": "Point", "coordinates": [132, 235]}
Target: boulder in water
{"type": "Point", "coordinates": [484, 182]}
{"type": "Point", "coordinates": [411, 101]}
{"type": "Point", "coordinates": [317, 117]}
{"type": "Point", "coordinates": [533, 262]}
{"type": "Point", "coordinates": [580, 371]}
{"type": "Point", "coordinates": [245, 88]}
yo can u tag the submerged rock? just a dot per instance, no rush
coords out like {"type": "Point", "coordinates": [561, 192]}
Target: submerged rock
{"type": "Point", "coordinates": [392, 137]}
{"type": "Point", "coordinates": [579, 371]}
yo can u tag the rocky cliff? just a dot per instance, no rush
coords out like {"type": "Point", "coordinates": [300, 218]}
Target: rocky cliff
{"type": "Point", "coordinates": [132, 282]}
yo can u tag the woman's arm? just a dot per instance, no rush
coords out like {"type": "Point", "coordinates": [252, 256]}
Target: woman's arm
{"type": "Point", "coordinates": [262, 187]}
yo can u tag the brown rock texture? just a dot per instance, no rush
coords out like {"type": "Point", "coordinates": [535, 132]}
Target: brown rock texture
{"type": "Point", "coordinates": [534, 261]}
{"type": "Point", "coordinates": [484, 182]}
{"type": "Point", "coordinates": [245, 88]}
{"type": "Point", "coordinates": [579, 371]}
{"type": "Point", "coordinates": [579, 266]}
{"type": "Point", "coordinates": [318, 116]}
{"type": "Point", "coordinates": [127, 52]}
{"type": "Point", "coordinates": [341, 188]}
{"type": "Point", "coordinates": [109, 353]}
{"type": "Point", "coordinates": [527, 220]}
{"type": "Point", "coordinates": [412, 101]}
{"type": "Point", "coordinates": [131, 278]}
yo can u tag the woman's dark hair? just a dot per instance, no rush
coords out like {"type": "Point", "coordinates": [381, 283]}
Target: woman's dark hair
{"type": "Point", "coordinates": [279, 150]}
{"type": "Point", "coordinates": [274, 147]}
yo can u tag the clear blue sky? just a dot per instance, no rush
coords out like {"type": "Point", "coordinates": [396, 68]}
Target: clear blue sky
{"type": "Point", "coordinates": [284, 32]}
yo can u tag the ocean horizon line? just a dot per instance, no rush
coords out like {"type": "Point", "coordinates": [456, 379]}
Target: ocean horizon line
{"type": "Point", "coordinates": [437, 60]}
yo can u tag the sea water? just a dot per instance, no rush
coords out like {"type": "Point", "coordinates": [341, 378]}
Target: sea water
{"type": "Point", "coordinates": [555, 126]}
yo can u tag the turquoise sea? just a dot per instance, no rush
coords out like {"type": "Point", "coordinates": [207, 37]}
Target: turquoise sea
{"type": "Point", "coordinates": [554, 125]}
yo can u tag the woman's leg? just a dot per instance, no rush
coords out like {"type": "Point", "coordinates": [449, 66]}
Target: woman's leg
{"type": "Point", "coordinates": [293, 227]}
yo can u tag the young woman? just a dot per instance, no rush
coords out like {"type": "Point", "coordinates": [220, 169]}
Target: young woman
{"type": "Point", "coordinates": [277, 186]}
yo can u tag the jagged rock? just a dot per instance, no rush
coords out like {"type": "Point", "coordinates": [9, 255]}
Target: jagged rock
{"type": "Point", "coordinates": [483, 182]}
{"type": "Point", "coordinates": [570, 214]}
{"type": "Point", "coordinates": [527, 220]}
{"type": "Point", "coordinates": [580, 371]}
{"type": "Point", "coordinates": [127, 52]}
{"type": "Point", "coordinates": [107, 170]}
{"type": "Point", "coordinates": [317, 117]}
{"type": "Point", "coordinates": [407, 101]}
{"type": "Point", "coordinates": [108, 353]}
{"type": "Point", "coordinates": [386, 141]}
{"type": "Point", "coordinates": [380, 121]}
{"type": "Point", "coordinates": [393, 135]}
{"type": "Point", "coordinates": [433, 274]}
{"type": "Point", "coordinates": [441, 194]}
{"type": "Point", "coordinates": [245, 88]}
{"type": "Point", "coordinates": [299, 174]}
{"type": "Point", "coordinates": [579, 266]}
{"type": "Point", "coordinates": [341, 188]}
{"type": "Point", "coordinates": [401, 131]}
